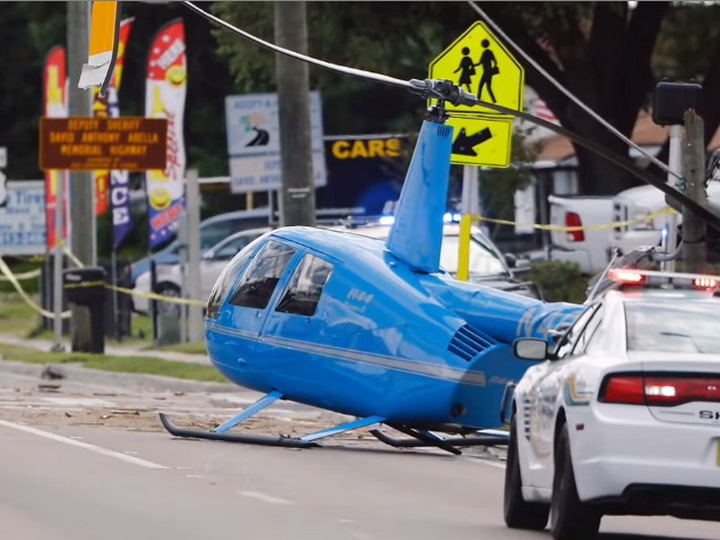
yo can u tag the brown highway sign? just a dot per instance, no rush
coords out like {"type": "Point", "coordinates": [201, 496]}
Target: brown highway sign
{"type": "Point", "coordinates": [94, 144]}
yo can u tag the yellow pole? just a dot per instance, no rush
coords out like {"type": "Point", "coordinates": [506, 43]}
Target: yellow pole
{"type": "Point", "coordinates": [102, 46]}
{"type": "Point", "coordinates": [463, 273]}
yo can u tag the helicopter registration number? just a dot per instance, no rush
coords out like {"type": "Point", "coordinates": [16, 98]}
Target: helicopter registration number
{"type": "Point", "coordinates": [360, 296]}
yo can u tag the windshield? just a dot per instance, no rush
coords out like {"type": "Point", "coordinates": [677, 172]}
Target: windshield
{"type": "Point", "coordinates": [483, 261]}
{"type": "Point", "coordinates": [673, 325]}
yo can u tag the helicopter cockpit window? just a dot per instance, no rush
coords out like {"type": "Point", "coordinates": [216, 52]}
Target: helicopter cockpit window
{"type": "Point", "coordinates": [226, 279]}
{"type": "Point", "coordinates": [305, 287]}
{"type": "Point", "coordinates": [261, 277]}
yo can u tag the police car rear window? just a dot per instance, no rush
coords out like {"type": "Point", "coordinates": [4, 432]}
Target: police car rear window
{"type": "Point", "coordinates": [673, 325]}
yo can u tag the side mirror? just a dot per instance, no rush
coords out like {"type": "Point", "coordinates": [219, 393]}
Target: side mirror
{"type": "Point", "coordinates": [510, 260]}
{"type": "Point", "coordinates": [530, 349]}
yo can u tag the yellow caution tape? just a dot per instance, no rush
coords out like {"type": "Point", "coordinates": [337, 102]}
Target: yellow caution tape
{"type": "Point", "coordinates": [156, 296]}
{"type": "Point", "coordinates": [150, 295]}
{"type": "Point", "coordinates": [565, 228]}
{"type": "Point", "coordinates": [5, 269]}
{"type": "Point", "coordinates": [22, 277]}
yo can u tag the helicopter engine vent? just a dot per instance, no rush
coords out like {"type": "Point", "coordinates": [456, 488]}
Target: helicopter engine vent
{"type": "Point", "coordinates": [468, 342]}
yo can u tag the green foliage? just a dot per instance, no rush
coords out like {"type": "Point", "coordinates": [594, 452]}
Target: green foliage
{"type": "Point", "coordinates": [683, 51]}
{"type": "Point", "coordinates": [122, 364]}
{"type": "Point", "coordinates": [559, 281]}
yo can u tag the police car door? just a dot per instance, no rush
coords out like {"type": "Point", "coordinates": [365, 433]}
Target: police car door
{"type": "Point", "coordinates": [544, 398]}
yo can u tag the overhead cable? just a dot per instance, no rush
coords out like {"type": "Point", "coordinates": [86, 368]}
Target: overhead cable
{"type": "Point", "coordinates": [568, 93]}
{"type": "Point", "coordinates": [447, 91]}
{"type": "Point", "coordinates": [361, 73]}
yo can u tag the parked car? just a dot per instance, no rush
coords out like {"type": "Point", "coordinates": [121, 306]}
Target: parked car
{"type": "Point", "coordinates": [587, 248]}
{"type": "Point", "coordinates": [212, 231]}
{"type": "Point", "coordinates": [487, 264]}
{"type": "Point", "coordinates": [622, 416]}
{"type": "Point", "coordinates": [169, 276]}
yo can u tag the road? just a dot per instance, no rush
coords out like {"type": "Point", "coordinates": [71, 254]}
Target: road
{"type": "Point", "coordinates": [88, 460]}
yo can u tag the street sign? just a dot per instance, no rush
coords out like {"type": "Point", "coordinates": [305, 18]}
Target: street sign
{"type": "Point", "coordinates": [481, 140]}
{"type": "Point", "coordinates": [264, 172]}
{"type": "Point", "coordinates": [92, 144]}
{"type": "Point", "coordinates": [253, 138]}
{"type": "Point", "coordinates": [480, 64]}
{"type": "Point", "coordinates": [22, 219]}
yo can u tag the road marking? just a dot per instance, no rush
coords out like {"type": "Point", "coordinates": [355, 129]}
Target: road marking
{"type": "Point", "coordinates": [79, 402]}
{"type": "Point", "coordinates": [86, 446]}
{"type": "Point", "coordinates": [485, 461]}
{"type": "Point", "coordinates": [264, 497]}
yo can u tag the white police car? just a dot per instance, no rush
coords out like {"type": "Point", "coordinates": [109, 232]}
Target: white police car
{"type": "Point", "coordinates": [624, 416]}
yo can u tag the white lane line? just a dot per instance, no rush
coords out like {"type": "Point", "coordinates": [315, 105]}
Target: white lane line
{"type": "Point", "coordinates": [86, 446]}
{"type": "Point", "coordinates": [264, 497]}
{"type": "Point", "coordinates": [493, 464]}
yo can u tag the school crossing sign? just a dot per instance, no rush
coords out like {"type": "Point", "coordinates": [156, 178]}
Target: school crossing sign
{"type": "Point", "coordinates": [480, 64]}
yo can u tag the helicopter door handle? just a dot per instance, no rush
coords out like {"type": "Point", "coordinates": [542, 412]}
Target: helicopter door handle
{"type": "Point", "coordinates": [506, 402]}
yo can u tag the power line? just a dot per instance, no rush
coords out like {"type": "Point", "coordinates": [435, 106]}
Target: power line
{"type": "Point", "coordinates": [447, 91]}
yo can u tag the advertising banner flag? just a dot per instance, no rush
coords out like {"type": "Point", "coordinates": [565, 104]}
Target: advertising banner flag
{"type": "Point", "coordinates": [119, 180]}
{"type": "Point", "coordinates": [165, 98]}
{"type": "Point", "coordinates": [100, 178]}
{"type": "Point", "coordinates": [55, 99]}
{"type": "Point", "coordinates": [111, 187]}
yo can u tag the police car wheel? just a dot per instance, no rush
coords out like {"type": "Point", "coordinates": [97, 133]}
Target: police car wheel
{"type": "Point", "coordinates": [518, 513]}
{"type": "Point", "coordinates": [570, 518]}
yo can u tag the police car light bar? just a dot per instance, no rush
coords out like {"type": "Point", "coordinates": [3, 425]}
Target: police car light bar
{"type": "Point", "coordinates": [625, 278]}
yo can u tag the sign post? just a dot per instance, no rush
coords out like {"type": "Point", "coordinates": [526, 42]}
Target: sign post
{"type": "Point", "coordinates": [3, 178]}
{"type": "Point", "coordinates": [480, 64]}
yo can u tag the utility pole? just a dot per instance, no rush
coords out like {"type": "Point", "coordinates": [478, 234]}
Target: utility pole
{"type": "Point", "coordinates": [693, 233]}
{"type": "Point", "coordinates": [83, 236]}
{"type": "Point", "coordinates": [297, 197]}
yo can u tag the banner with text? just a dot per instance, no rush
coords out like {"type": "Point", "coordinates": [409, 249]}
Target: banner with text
{"type": "Point", "coordinates": [108, 105]}
{"type": "Point", "coordinates": [165, 98]}
{"type": "Point", "coordinates": [119, 180]}
{"type": "Point", "coordinates": [55, 99]}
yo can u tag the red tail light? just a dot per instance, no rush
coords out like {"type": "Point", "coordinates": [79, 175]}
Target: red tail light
{"type": "Point", "coordinates": [659, 391]}
{"type": "Point", "coordinates": [573, 220]}
{"type": "Point", "coordinates": [623, 389]}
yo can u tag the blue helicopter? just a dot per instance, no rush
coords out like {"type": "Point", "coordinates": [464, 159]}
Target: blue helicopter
{"type": "Point", "coordinates": [376, 329]}
{"type": "Point", "coordinates": [370, 328]}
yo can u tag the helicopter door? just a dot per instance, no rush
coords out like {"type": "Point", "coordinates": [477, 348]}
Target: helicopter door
{"type": "Point", "coordinates": [248, 304]}
{"type": "Point", "coordinates": [295, 327]}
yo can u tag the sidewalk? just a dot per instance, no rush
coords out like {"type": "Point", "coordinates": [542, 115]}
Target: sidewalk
{"type": "Point", "coordinates": [112, 350]}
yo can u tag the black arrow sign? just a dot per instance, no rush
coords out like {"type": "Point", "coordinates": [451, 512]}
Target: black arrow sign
{"type": "Point", "coordinates": [464, 144]}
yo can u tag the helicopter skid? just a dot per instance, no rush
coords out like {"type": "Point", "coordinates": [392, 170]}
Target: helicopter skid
{"type": "Point", "coordinates": [426, 439]}
{"type": "Point", "coordinates": [287, 442]}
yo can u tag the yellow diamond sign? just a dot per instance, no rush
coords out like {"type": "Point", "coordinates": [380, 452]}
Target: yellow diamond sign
{"type": "Point", "coordinates": [480, 64]}
{"type": "Point", "coordinates": [483, 141]}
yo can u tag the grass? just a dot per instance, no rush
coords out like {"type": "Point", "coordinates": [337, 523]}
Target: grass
{"type": "Point", "coordinates": [20, 320]}
{"type": "Point", "coordinates": [16, 317]}
{"type": "Point", "coordinates": [189, 348]}
{"type": "Point", "coordinates": [121, 364]}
